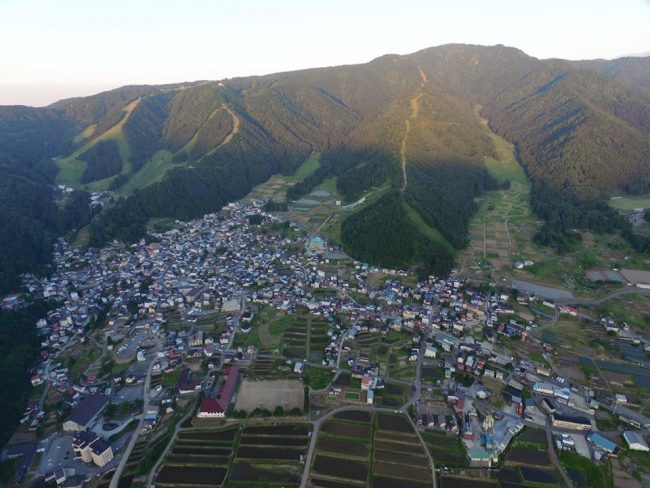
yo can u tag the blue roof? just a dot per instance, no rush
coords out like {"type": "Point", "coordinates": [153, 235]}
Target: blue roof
{"type": "Point", "coordinates": [601, 441]}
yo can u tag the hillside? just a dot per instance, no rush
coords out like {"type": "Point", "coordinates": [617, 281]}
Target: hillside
{"type": "Point", "coordinates": [406, 122]}
{"type": "Point", "coordinates": [631, 71]}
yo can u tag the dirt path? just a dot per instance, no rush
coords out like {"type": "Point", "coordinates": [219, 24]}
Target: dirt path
{"type": "Point", "coordinates": [415, 112]}
{"type": "Point", "coordinates": [236, 123]}
{"type": "Point", "coordinates": [402, 154]}
{"type": "Point", "coordinates": [423, 76]}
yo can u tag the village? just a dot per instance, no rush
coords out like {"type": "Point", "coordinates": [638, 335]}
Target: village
{"type": "Point", "coordinates": [241, 317]}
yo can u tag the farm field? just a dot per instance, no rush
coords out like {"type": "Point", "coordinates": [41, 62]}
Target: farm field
{"type": "Point", "coordinates": [199, 457]}
{"type": "Point", "coordinates": [237, 456]}
{"type": "Point", "coordinates": [456, 482]}
{"type": "Point", "coordinates": [359, 448]}
{"type": "Point", "coordinates": [446, 450]}
{"type": "Point", "coordinates": [503, 227]}
{"type": "Point", "coordinates": [393, 435]}
{"type": "Point", "coordinates": [343, 447]}
{"type": "Point", "coordinates": [584, 473]}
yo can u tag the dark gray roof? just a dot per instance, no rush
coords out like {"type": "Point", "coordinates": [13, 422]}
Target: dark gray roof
{"type": "Point", "coordinates": [87, 409]}
{"type": "Point", "coordinates": [84, 438]}
{"type": "Point", "coordinates": [576, 419]}
{"type": "Point", "coordinates": [99, 446]}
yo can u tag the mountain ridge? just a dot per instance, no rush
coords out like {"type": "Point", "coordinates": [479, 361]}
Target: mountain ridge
{"type": "Point", "coordinates": [406, 121]}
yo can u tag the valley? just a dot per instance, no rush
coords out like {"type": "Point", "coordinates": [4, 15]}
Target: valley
{"type": "Point", "coordinates": [334, 260]}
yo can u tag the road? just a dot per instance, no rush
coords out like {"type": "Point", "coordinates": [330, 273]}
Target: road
{"type": "Point", "coordinates": [127, 452]}
{"type": "Point", "coordinates": [152, 473]}
{"type": "Point", "coordinates": [47, 371]}
{"type": "Point", "coordinates": [317, 425]}
{"type": "Point", "coordinates": [554, 459]}
{"type": "Point", "coordinates": [415, 396]}
{"type": "Point", "coordinates": [610, 296]}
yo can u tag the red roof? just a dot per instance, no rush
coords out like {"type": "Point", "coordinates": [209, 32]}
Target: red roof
{"type": "Point", "coordinates": [221, 404]}
{"type": "Point", "coordinates": [210, 405]}
{"type": "Point", "coordinates": [228, 388]}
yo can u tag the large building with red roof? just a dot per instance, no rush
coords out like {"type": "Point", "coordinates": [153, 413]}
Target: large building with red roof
{"type": "Point", "coordinates": [217, 407]}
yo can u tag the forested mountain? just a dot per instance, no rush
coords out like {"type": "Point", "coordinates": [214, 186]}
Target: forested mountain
{"type": "Point", "coordinates": [407, 122]}
{"type": "Point", "coordinates": [631, 71]}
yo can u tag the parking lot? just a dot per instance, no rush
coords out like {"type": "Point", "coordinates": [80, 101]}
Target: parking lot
{"type": "Point", "coordinates": [128, 350]}
{"type": "Point", "coordinates": [58, 453]}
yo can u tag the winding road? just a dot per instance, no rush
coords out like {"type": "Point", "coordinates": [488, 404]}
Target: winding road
{"type": "Point", "coordinates": [134, 438]}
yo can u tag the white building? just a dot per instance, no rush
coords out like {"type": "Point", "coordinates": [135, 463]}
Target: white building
{"type": "Point", "coordinates": [635, 441]}
{"type": "Point", "coordinates": [370, 399]}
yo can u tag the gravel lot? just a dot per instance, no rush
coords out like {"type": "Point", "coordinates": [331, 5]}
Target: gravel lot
{"type": "Point", "coordinates": [269, 394]}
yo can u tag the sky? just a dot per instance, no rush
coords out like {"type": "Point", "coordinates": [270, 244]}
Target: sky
{"type": "Point", "coordinates": [53, 49]}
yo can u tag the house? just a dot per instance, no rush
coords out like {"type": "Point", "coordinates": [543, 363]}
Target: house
{"type": "Point", "coordinates": [574, 422]}
{"type": "Point", "coordinates": [635, 441]}
{"type": "Point", "coordinates": [187, 385]}
{"type": "Point", "coordinates": [89, 448]}
{"type": "Point", "coordinates": [370, 397]}
{"type": "Point", "coordinates": [602, 443]}
{"type": "Point", "coordinates": [89, 408]}
{"type": "Point", "coordinates": [479, 458]}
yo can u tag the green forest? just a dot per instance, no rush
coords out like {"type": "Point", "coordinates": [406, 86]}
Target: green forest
{"type": "Point", "coordinates": [19, 345]}
{"type": "Point", "coordinates": [383, 233]}
{"type": "Point", "coordinates": [102, 160]}
{"type": "Point", "coordinates": [29, 224]}
{"type": "Point", "coordinates": [581, 130]}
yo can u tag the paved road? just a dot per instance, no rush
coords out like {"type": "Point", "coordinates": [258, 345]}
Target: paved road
{"type": "Point", "coordinates": [127, 452]}
{"type": "Point", "coordinates": [554, 459]}
{"type": "Point", "coordinates": [610, 296]}
{"type": "Point", "coordinates": [48, 365]}
{"type": "Point", "coordinates": [369, 408]}
{"type": "Point", "coordinates": [152, 473]}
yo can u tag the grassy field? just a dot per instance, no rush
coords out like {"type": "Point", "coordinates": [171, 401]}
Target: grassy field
{"type": "Point", "coordinates": [154, 170]}
{"type": "Point", "coordinates": [505, 166]}
{"type": "Point", "coordinates": [82, 239]}
{"type": "Point", "coordinates": [311, 164]}
{"type": "Point", "coordinates": [599, 476]}
{"type": "Point", "coordinates": [431, 232]}
{"type": "Point", "coordinates": [630, 202]}
{"type": "Point", "coordinates": [329, 185]}
{"type": "Point", "coordinates": [275, 188]}
{"type": "Point", "coordinates": [502, 229]}
{"type": "Point", "coordinates": [71, 168]}
{"type": "Point", "coordinates": [171, 379]}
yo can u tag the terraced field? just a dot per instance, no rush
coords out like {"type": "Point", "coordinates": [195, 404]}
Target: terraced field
{"type": "Point", "coordinates": [357, 449]}
{"type": "Point", "coordinates": [199, 458]}
{"type": "Point", "coordinates": [399, 459]}
{"type": "Point", "coordinates": [502, 229]}
{"type": "Point", "coordinates": [237, 456]}
{"type": "Point", "coordinates": [446, 450]}
{"type": "Point", "coordinates": [343, 451]}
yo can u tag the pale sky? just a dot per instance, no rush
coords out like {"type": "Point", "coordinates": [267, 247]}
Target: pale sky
{"type": "Point", "coordinates": [52, 49]}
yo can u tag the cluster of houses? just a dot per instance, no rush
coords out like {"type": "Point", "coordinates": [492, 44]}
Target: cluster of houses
{"type": "Point", "coordinates": [213, 262]}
